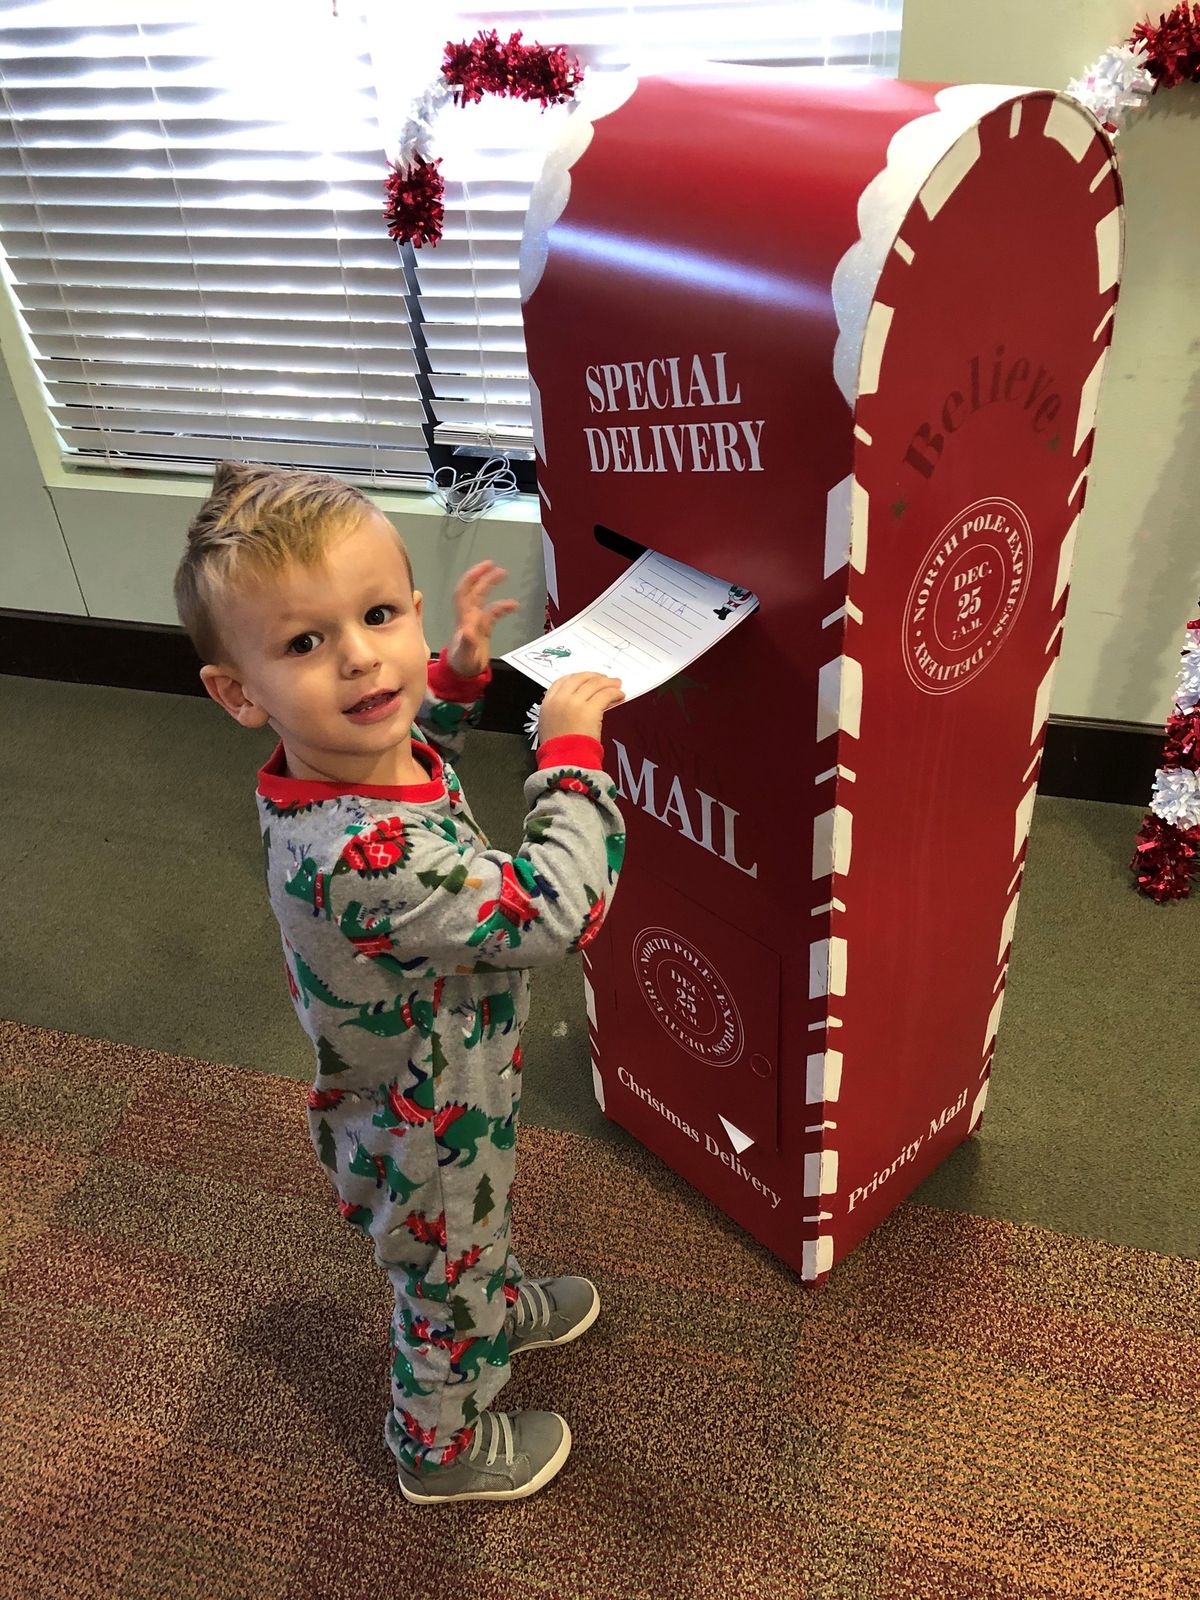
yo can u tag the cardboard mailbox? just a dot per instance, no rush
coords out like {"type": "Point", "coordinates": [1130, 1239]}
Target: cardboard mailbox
{"type": "Point", "coordinates": [840, 345]}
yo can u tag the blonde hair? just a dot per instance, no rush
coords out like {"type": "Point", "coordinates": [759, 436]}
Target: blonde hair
{"type": "Point", "coordinates": [255, 521]}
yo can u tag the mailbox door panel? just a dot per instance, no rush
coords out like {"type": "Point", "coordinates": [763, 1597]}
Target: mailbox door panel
{"type": "Point", "coordinates": [697, 1013]}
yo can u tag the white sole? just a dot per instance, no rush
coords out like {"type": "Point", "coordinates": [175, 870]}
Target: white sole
{"type": "Point", "coordinates": [539, 1480]}
{"type": "Point", "coordinates": [576, 1332]}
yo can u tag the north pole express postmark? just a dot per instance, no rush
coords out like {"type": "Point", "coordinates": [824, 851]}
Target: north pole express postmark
{"type": "Point", "coordinates": [688, 997]}
{"type": "Point", "coordinates": [966, 595]}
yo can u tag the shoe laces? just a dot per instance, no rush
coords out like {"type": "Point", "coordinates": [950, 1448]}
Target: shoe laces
{"type": "Point", "coordinates": [499, 1436]}
{"type": "Point", "coordinates": [533, 1306]}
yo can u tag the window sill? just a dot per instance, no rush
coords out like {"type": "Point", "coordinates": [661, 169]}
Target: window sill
{"type": "Point", "coordinates": [523, 510]}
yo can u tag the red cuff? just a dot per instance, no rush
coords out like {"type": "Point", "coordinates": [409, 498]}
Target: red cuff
{"type": "Point", "coordinates": [572, 750]}
{"type": "Point", "coordinates": [445, 683]}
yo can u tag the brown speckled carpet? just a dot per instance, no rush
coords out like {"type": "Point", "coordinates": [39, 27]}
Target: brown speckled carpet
{"type": "Point", "coordinates": [192, 1366]}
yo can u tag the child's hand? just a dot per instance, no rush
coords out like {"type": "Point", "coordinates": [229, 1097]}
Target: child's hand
{"type": "Point", "coordinates": [576, 704]}
{"type": "Point", "coordinates": [470, 649]}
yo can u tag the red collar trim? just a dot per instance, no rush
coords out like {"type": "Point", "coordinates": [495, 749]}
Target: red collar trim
{"type": "Point", "coordinates": [281, 790]}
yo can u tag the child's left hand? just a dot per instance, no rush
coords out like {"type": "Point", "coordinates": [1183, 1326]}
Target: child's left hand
{"type": "Point", "coordinates": [470, 649]}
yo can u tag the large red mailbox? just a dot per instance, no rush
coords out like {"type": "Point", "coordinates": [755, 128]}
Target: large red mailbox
{"type": "Point", "coordinates": [841, 345]}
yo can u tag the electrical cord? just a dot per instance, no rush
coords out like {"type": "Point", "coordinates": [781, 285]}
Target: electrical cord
{"type": "Point", "coordinates": [467, 497]}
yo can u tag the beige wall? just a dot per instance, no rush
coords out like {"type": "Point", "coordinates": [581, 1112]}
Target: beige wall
{"type": "Point", "coordinates": [35, 566]}
{"type": "Point", "coordinates": [1137, 563]}
{"type": "Point", "coordinates": [109, 547]}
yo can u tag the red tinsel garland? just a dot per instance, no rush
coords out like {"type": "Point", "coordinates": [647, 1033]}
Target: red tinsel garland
{"type": "Point", "coordinates": [1166, 859]}
{"type": "Point", "coordinates": [472, 68]}
{"type": "Point", "coordinates": [1173, 47]}
{"type": "Point", "coordinates": [414, 209]}
{"type": "Point", "coordinates": [519, 71]}
{"type": "Point", "coordinates": [1182, 748]}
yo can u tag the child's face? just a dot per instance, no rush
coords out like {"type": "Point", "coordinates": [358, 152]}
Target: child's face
{"type": "Point", "coordinates": [313, 643]}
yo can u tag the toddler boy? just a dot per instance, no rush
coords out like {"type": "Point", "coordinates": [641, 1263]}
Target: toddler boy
{"type": "Point", "coordinates": [407, 938]}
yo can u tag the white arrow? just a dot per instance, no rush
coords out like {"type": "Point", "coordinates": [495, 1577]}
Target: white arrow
{"type": "Point", "coordinates": [739, 1140]}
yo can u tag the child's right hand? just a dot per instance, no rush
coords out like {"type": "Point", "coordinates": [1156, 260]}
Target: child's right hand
{"type": "Point", "coordinates": [576, 705]}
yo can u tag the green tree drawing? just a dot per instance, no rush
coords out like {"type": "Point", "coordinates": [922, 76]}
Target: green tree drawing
{"type": "Point", "coordinates": [485, 1200]}
{"type": "Point", "coordinates": [328, 1060]}
{"type": "Point", "coordinates": [327, 1146]}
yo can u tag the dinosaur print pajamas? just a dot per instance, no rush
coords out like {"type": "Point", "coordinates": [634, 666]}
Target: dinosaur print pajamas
{"type": "Point", "coordinates": [408, 942]}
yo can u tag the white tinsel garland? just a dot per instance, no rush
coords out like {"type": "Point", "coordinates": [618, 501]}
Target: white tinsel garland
{"type": "Point", "coordinates": [1188, 696]}
{"type": "Point", "coordinates": [533, 719]}
{"type": "Point", "coordinates": [1115, 86]}
{"type": "Point", "coordinates": [1176, 797]}
{"type": "Point", "coordinates": [416, 136]}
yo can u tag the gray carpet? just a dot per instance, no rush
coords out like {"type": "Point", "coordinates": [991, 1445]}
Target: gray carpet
{"type": "Point", "coordinates": [134, 912]}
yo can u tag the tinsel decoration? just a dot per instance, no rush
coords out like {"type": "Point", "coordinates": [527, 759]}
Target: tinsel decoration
{"type": "Point", "coordinates": [1154, 57]}
{"type": "Point", "coordinates": [519, 71]}
{"type": "Point", "coordinates": [1116, 85]}
{"type": "Point", "coordinates": [1173, 47]}
{"type": "Point", "coordinates": [533, 719]}
{"type": "Point", "coordinates": [1167, 856]}
{"type": "Point", "coordinates": [1166, 859]}
{"type": "Point", "coordinates": [1189, 673]}
{"type": "Point", "coordinates": [1182, 748]}
{"type": "Point", "coordinates": [470, 69]}
{"type": "Point", "coordinates": [417, 133]}
{"type": "Point", "coordinates": [1176, 797]}
{"type": "Point", "coordinates": [414, 212]}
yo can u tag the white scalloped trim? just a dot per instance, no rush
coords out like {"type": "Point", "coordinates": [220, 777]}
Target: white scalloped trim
{"type": "Point", "coordinates": [602, 93]}
{"type": "Point", "coordinates": [915, 151]}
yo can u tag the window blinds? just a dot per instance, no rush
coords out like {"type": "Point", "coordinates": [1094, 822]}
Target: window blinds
{"type": "Point", "coordinates": [190, 208]}
{"type": "Point", "coordinates": [191, 214]}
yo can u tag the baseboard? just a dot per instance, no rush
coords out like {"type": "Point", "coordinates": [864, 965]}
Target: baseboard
{"type": "Point", "coordinates": [1094, 760]}
{"type": "Point", "coordinates": [160, 658]}
{"type": "Point", "coordinates": [1084, 760]}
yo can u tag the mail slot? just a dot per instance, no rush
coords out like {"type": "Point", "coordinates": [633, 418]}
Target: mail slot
{"type": "Point", "coordinates": [840, 345]}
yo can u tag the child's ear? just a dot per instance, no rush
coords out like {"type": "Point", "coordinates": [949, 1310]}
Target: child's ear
{"type": "Point", "coordinates": [228, 692]}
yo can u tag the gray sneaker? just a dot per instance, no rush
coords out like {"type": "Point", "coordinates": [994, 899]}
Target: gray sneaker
{"type": "Point", "coordinates": [551, 1311]}
{"type": "Point", "coordinates": [513, 1454]}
